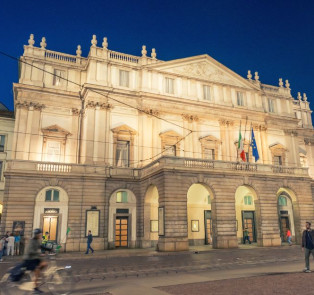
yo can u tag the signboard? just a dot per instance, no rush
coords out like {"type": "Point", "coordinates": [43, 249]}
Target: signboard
{"type": "Point", "coordinates": [92, 222]}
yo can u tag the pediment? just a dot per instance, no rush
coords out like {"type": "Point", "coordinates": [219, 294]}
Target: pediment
{"type": "Point", "coordinates": [55, 129]}
{"type": "Point", "coordinates": [124, 129]}
{"type": "Point", "coordinates": [209, 138]}
{"type": "Point", "coordinates": [171, 133]}
{"type": "Point", "coordinates": [205, 68]}
{"type": "Point", "coordinates": [277, 146]}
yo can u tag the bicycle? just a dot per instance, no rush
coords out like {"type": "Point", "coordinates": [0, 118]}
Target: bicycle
{"type": "Point", "coordinates": [59, 280]}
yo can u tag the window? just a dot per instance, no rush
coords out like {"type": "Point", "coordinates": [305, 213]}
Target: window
{"type": "Point", "coordinates": [209, 154]}
{"type": "Point", "coordinates": [303, 161]}
{"type": "Point", "coordinates": [122, 197]}
{"type": "Point", "coordinates": [271, 106]}
{"type": "Point", "coordinates": [209, 201]}
{"type": "Point", "coordinates": [248, 200]}
{"type": "Point", "coordinates": [277, 160]}
{"type": "Point", "coordinates": [53, 151]}
{"type": "Point", "coordinates": [122, 153]}
{"type": "Point", "coordinates": [170, 150]}
{"type": "Point", "coordinates": [58, 78]}
{"type": "Point", "coordinates": [1, 165]}
{"type": "Point", "coordinates": [282, 201]}
{"type": "Point", "coordinates": [2, 142]}
{"type": "Point", "coordinates": [169, 85]}
{"type": "Point", "coordinates": [206, 92]}
{"type": "Point", "coordinates": [124, 78]}
{"type": "Point", "coordinates": [240, 100]}
{"type": "Point", "coordinates": [52, 195]}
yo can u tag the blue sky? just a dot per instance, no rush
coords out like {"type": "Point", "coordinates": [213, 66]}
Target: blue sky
{"type": "Point", "coordinates": [275, 38]}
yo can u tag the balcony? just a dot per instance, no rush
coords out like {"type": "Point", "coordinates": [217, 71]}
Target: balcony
{"type": "Point", "coordinates": [167, 162]}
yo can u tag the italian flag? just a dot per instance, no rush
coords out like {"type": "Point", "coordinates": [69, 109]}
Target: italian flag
{"type": "Point", "coordinates": [240, 146]}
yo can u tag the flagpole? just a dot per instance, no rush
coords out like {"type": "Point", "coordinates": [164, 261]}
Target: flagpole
{"type": "Point", "coordinates": [244, 134]}
{"type": "Point", "coordinates": [238, 144]}
{"type": "Point", "coordinates": [250, 143]}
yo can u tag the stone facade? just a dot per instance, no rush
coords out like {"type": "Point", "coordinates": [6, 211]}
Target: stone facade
{"type": "Point", "coordinates": [145, 152]}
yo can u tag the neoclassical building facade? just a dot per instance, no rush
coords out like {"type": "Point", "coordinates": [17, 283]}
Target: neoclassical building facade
{"type": "Point", "coordinates": [144, 152]}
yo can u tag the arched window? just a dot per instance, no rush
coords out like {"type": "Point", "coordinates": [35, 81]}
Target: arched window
{"type": "Point", "coordinates": [248, 200]}
{"type": "Point", "coordinates": [282, 201]}
{"type": "Point", "coordinates": [52, 195]}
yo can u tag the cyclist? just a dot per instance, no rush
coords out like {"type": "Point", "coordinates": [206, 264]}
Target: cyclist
{"type": "Point", "coordinates": [32, 260]}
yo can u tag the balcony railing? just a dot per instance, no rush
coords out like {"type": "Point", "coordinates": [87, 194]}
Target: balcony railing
{"type": "Point", "coordinates": [166, 162]}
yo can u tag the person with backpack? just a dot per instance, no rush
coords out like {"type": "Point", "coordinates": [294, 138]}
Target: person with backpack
{"type": "Point", "coordinates": [32, 259]}
{"type": "Point", "coordinates": [308, 245]}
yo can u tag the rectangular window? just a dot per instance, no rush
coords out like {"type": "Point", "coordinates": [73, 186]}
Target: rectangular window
{"type": "Point", "coordinates": [1, 166]}
{"type": "Point", "coordinates": [122, 197]}
{"type": "Point", "coordinates": [122, 153]}
{"type": "Point", "coordinates": [271, 107]}
{"type": "Point", "coordinates": [2, 142]}
{"type": "Point", "coordinates": [247, 200]}
{"type": "Point", "coordinates": [206, 92]}
{"type": "Point", "coordinates": [277, 160]}
{"type": "Point", "coordinates": [209, 154]}
{"type": "Point", "coordinates": [48, 195]}
{"type": "Point", "coordinates": [59, 78]}
{"type": "Point", "coordinates": [53, 151]}
{"type": "Point", "coordinates": [170, 150]}
{"type": "Point", "coordinates": [240, 100]}
{"type": "Point", "coordinates": [124, 78]}
{"type": "Point", "coordinates": [169, 85]}
{"type": "Point", "coordinates": [56, 196]}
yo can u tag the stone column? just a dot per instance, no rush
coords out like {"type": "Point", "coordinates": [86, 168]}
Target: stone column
{"type": "Point", "coordinates": [232, 147]}
{"type": "Point", "coordinates": [28, 133]}
{"type": "Point", "coordinates": [294, 150]}
{"type": "Point", "coordinates": [265, 151]}
{"type": "Point", "coordinates": [173, 198]}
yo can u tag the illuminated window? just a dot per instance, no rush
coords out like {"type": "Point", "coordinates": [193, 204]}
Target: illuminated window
{"type": "Point", "coordinates": [169, 85]}
{"type": "Point", "coordinates": [282, 201]}
{"type": "Point", "coordinates": [124, 78]}
{"type": "Point", "coordinates": [122, 197]}
{"type": "Point", "coordinates": [206, 92]}
{"type": "Point", "coordinates": [52, 195]}
{"type": "Point", "coordinates": [248, 200]}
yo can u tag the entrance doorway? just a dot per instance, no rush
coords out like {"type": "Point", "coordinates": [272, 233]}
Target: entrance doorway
{"type": "Point", "coordinates": [248, 221]}
{"type": "Point", "coordinates": [121, 231]}
{"type": "Point", "coordinates": [284, 226]}
{"type": "Point", "coordinates": [208, 227]}
{"type": "Point", "coordinates": [50, 225]}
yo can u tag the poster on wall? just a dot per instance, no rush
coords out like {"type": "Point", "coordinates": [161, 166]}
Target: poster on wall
{"type": "Point", "coordinates": [18, 226]}
{"type": "Point", "coordinates": [161, 221]}
{"type": "Point", "coordinates": [92, 222]}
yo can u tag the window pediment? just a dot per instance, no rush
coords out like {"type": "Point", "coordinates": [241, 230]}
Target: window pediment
{"type": "Point", "coordinates": [55, 129]}
{"type": "Point", "coordinates": [124, 130]}
{"type": "Point", "coordinates": [277, 148]}
{"type": "Point", "coordinates": [171, 137]}
{"type": "Point", "coordinates": [209, 139]}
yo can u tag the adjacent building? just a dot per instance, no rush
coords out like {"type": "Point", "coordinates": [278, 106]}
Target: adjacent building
{"type": "Point", "coordinates": [145, 152]}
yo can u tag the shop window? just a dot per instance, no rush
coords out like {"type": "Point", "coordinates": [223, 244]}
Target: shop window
{"type": "Point", "coordinates": [52, 195]}
{"type": "Point", "coordinates": [282, 201]}
{"type": "Point", "coordinates": [122, 197]}
{"type": "Point", "coordinates": [248, 200]}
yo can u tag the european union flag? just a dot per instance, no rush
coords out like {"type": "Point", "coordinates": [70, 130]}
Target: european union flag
{"type": "Point", "coordinates": [254, 147]}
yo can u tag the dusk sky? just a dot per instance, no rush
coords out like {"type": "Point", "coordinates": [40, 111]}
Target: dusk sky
{"type": "Point", "coordinates": [275, 38]}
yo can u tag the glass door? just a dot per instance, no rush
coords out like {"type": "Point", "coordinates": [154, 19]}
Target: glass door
{"type": "Point", "coordinates": [50, 225]}
{"type": "Point", "coordinates": [248, 222]}
{"type": "Point", "coordinates": [121, 231]}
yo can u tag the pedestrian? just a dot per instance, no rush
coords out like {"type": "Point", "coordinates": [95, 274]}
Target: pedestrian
{"type": "Point", "coordinates": [246, 236]}
{"type": "Point", "coordinates": [308, 245]}
{"type": "Point", "coordinates": [2, 243]}
{"type": "Point", "coordinates": [5, 249]}
{"type": "Point", "coordinates": [17, 243]}
{"type": "Point", "coordinates": [44, 241]}
{"type": "Point", "coordinates": [89, 241]}
{"type": "Point", "coordinates": [289, 237]}
{"type": "Point", "coordinates": [10, 245]}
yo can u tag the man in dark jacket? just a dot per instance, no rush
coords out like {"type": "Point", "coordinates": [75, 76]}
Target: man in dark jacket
{"type": "Point", "coordinates": [89, 241]}
{"type": "Point", "coordinates": [308, 244]}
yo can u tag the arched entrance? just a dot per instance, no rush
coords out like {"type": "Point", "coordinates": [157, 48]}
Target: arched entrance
{"type": "Point", "coordinates": [122, 220]}
{"type": "Point", "coordinates": [246, 217]}
{"type": "Point", "coordinates": [151, 217]}
{"type": "Point", "coordinates": [51, 213]}
{"type": "Point", "coordinates": [285, 199]}
{"type": "Point", "coordinates": [200, 225]}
